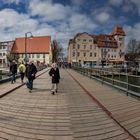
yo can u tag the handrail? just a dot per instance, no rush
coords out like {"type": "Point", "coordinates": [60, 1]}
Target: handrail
{"type": "Point", "coordinates": [114, 78]}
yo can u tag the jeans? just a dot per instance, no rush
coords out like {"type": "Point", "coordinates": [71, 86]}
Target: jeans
{"type": "Point", "coordinates": [13, 79]}
{"type": "Point", "coordinates": [30, 84]}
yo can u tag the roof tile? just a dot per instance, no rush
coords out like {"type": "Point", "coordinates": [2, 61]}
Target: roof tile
{"type": "Point", "coordinates": [37, 44]}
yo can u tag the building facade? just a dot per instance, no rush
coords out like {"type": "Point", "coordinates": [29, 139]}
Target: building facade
{"type": "Point", "coordinates": [87, 49]}
{"type": "Point", "coordinates": [5, 48]}
{"type": "Point", "coordinates": [37, 49]}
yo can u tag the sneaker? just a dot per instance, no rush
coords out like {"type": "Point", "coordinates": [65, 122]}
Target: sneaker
{"type": "Point", "coordinates": [30, 91]}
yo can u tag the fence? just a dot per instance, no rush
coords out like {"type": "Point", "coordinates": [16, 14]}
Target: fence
{"type": "Point", "coordinates": [122, 80]}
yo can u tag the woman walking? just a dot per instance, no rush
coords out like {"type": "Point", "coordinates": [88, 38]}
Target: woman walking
{"type": "Point", "coordinates": [22, 70]}
{"type": "Point", "coordinates": [54, 73]}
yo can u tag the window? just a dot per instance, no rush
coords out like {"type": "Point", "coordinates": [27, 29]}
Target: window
{"type": "Point", "coordinates": [120, 39]}
{"type": "Point", "coordinates": [84, 46]}
{"type": "Point", "coordinates": [84, 40]}
{"type": "Point", "coordinates": [90, 54]}
{"type": "Point", "coordinates": [108, 55]}
{"type": "Point", "coordinates": [95, 54]}
{"type": "Point", "coordinates": [78, 46]}
{"type": "Point", "coordinates": [32, 55]}
{"type": "Point", "coordinates": [73, 54]}
{"type": "Point", "coordinates": [90, 46]}
{"type": "Point", "coordinates": [43, 55]}
{"type": "Point", "coordinates": [78, 53]}
{"type": "Point", "coordinates": [84, 54]}
{"type": "Point", "coordinates": [73, 46]}
{"type": "Point", "coordinates": [90, 40]}
{"type": "Point", "coordinates": [38, 55]}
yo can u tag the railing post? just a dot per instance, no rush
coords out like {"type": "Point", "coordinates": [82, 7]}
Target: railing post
{"type": "Point", "coordinates": [112, 78]}
{"type": "Point", "coordinates": [127, 84]}
{"type": "Point", "coordinates": [102, 77]}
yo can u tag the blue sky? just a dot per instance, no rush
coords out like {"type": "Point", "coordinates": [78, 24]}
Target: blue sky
{"type": "Point", "coordinates": [62, 19]}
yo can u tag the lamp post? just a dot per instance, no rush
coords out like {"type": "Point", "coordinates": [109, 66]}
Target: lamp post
{"type": "Point", "coordinates": [26, 36]}
{"type": "Point", "coordinates": [103, 56]}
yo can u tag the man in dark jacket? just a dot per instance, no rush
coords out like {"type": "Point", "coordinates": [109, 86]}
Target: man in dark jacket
{"type": "Point", "coordinates": [13, 70]}
{"type": "Point", "coordinates": [31, 72]}
{"type": "Point", "coordinates": [54, 73]}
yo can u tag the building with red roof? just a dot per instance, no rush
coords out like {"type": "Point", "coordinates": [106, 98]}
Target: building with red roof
{"type": "Point", "coordinates": [90, 49]}
{"type": "Point", "coordinates": [37, 48]}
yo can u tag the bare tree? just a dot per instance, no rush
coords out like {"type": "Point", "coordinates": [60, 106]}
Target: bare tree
{"type": "Point", "coordinates": [12, 56]}
{"type": "Point", "coordinates": [57, 50]}
{"type": "Point", "coordinates": [133, 50]}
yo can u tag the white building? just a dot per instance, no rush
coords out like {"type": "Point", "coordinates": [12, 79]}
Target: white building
{"type": "Point", "coordinates": [5, 48]}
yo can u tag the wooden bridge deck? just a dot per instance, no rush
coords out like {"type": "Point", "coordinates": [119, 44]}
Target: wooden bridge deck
{"type": "Point", "coordinates": [83, 109]}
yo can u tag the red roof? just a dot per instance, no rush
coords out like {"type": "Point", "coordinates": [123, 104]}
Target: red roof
{"type": "Point", "coordinates": [118, 31]}
{"type": "Point", "coordinates": [37, 44]}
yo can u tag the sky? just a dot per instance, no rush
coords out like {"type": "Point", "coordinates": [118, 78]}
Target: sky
{"type": "Point", "coordinates": [63, 19]}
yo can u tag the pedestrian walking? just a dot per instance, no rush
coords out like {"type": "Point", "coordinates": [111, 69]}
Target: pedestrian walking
{"type": "Point", "coordinates": [31, 74]}
{"type": "Point", "coordinates": [13, 71]}
{"type": "Point", "coordinates": [54, 73]}
{"type": "Point", "coordinates": [22, 70]}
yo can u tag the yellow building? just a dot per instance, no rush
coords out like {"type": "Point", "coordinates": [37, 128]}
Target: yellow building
{"type": "Point", "coordinates": [87, 49]}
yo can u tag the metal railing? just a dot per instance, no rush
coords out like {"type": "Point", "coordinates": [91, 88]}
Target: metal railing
{"type": "Point", "coordinates": [122, 80]}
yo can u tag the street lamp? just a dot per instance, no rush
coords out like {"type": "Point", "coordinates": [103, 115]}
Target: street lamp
{"type": "Point", "coordinates": [103, 56]}
{"type": "Point", "coordinates": [26, 36]}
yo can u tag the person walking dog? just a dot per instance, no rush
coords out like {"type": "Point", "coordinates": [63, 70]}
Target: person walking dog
{"type": "Point", "coordinates": [54, 73]}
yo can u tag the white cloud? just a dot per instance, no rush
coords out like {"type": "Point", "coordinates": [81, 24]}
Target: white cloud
{"type": "Point", "coordinates": [81, 23]}
{"type": "Point", "coordinates": [13, 24]}
{"type": "Point", "coordinates": [137, 4]}
{"type": "Point", "coordinates": [132, 32]}
{"type": "Point", "coordinates": [116, 2]}
{"type": "Point", "coordinates": [103, 17]}
{"type": "Point", "coordinates": [48, 10]}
